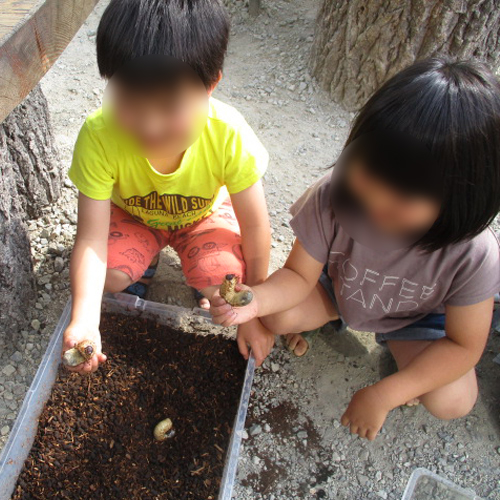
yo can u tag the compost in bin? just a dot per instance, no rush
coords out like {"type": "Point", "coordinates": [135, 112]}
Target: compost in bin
{"type": "Point", "coordinates": [95, 437]}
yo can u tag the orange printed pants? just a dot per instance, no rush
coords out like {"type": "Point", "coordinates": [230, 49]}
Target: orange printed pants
{"type": "Point", "coordinates": [209, 249]}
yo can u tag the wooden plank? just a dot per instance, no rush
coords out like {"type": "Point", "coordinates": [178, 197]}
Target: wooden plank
{"type": "Point", "coordinates": [33, 33]}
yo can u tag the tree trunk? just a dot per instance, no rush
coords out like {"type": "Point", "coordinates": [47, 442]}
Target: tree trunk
{"type": "Point", "coordinates": [359, 44]}
{"type": "Point", "coordinates": [30, 178]}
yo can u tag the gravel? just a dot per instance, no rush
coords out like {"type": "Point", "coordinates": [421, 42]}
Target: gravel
{"type": "Point", "coordinates": [294, 445]}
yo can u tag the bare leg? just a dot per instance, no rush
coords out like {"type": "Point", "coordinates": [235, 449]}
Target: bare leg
{"type": "Point", "coordinates": [454, 400]}
{"type": "Point", "coordinates": [314, 312]}
{"type": "Point", "coordinates": [117, 281]}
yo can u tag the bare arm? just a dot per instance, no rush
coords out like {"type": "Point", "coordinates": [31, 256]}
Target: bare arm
{"type": "Point", "coordinates": [283, 290]}
{"type": "Point", "coordinates": [88, 274]}
{"type": "Point", "coordinates": [88, 260]}
{"type": "Point", "coordinates": [251, 211]}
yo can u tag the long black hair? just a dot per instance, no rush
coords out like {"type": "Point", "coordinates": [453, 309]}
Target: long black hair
{"type": "Point", "coordinates": [434, 128]}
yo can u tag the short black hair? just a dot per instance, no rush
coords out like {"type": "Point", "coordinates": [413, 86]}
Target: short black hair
{"type": "Point", "coordinates": [449, 113]}
{"type": "Point", "coordinates": [195, 32]}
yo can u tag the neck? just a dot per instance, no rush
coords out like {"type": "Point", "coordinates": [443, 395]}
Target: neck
{"type": "Point", "coordinates": [167, 165]}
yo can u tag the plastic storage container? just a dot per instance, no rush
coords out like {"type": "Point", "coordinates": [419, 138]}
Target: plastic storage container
{"type": "Point", "coordinates": [25, 428]}
{"type": "Point", "coordinates": [426, 485]}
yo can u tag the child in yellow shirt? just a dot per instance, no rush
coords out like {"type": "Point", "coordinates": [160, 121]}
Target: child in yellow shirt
{"type": "Point", "coordinates": [164, 163]}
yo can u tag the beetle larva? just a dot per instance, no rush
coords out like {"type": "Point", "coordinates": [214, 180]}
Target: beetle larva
{"type": "Point", "coordinates": [80, 353]}
{"type": "Point", "coordinates": [163, 430]}
{"type": "Point", "coordinates": [231, 296]}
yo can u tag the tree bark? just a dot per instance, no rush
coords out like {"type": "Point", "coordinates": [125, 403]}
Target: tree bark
{"type": "Point", "coordinates": [30, 178]}
{"type": "Point", "coordinates": [359, 44]}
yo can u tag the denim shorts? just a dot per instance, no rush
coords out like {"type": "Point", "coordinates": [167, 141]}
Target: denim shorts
{"type": "Point", "coordinates": [431, 327]}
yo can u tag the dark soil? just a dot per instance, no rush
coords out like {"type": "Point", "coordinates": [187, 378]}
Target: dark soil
{"type": "Point", "coordinates": [95, 437]}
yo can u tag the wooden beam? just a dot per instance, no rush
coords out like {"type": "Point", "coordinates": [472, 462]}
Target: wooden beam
{"type": "Point", "coordinates": [33, 33]}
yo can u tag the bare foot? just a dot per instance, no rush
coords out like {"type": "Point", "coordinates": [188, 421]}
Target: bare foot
{"type": "Point", "coordinates": [204, 303]}
{"type": "Point", "coordinates": [297, 344]}
{"type": "Point", "coordinates": [413, 402]}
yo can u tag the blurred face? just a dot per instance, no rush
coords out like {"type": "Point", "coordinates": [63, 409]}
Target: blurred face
{"type": "Point", "coordinates": [164, 121]}
{"type": "Point", "coordinates": [392, 211]}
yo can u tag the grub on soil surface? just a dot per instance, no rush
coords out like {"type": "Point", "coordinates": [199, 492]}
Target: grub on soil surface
{"type": "Point", "coordinates": [95, 438]}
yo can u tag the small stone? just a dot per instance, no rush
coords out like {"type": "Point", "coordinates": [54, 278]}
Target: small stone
{"type": "Point", "coordinates": [363, 480]}
{"type": "Point", "coordinates": [35, 324]}
{"type": "Point", "coordinates": [67, 182]}
{"type": "Point", "coordinates": [256, 460]}
{"type": "Point", "coordinates": [255, 430]}
{"type": "Point", "coordinates": [364, 455]}
{"type": "Point", "coordinates": [29, 346]}
{"type": "Point", "coordinates": [8, 370]}
{"type": "Point", "coordinates": [73, 219]}
{"type": "Point", "coordinates": [17, 357]}
{"type": "Point", "coordinates": [302, 435]}
{"type": "Point", "coordinates": [382, 494]}
{"type": "Point", "coordinates": [267, 428]}
{"type": "Point", "coordinates": [5, 430]}
{"type": "Point", "coordinates": [58, 264]}
{"type": "Point", "coordinates": [244, 435]}
{"type": "Point", "coordinates": [275, 367]}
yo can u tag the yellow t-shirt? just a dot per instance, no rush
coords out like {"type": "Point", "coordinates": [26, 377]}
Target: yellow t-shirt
{"type": "Point", "coordinates": [227, 157]}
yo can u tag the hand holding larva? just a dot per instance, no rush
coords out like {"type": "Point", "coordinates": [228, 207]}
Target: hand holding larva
{"type": "Point", "coordinates": [79, 354]}
{"type": "Point", "coordinates": [231, 296]}
{"type": "Point", "coordinates": [233, 304]}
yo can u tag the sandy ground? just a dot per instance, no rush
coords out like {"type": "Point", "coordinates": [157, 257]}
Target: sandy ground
{"type": "Point", "coordinates": [295, 446]}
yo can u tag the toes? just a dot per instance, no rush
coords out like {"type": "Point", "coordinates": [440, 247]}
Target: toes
{"type": "Point", "coordinates": [301, 348]}
{"type": "Point", "coordinates": [204, 303]}
{"type": "Point", "coordinates": [297, 344]}
{"type": "Point", "coordinates": [413, 402]}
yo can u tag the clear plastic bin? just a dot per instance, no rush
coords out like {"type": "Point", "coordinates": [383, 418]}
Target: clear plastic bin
{"type": "Point", "coordinates": [426, 485]}
{"type": "Point", "coordinates": [25, 428]}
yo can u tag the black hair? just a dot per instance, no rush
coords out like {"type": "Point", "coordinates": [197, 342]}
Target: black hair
{"type": "Point", "coordinates": [195, 32]}
{"type": "Point", "coordinates": [434, 129]}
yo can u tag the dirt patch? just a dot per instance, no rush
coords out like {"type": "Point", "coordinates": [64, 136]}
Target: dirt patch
{"type": "Point", "coordinates": [95, 437]}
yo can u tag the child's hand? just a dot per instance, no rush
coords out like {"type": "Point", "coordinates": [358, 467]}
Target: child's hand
{"type": "Point", "coordinates": [366, 413]}
{"type": "Point", "coordinates": [226, 315]}
{"type": "Point", "coordinates": [76, 333]}
{"type": "Point", "coordinates": [258, 337]}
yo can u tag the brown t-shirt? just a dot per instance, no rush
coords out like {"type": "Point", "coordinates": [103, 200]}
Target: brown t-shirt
{"type": "Point", "coordinates": [382, 284]}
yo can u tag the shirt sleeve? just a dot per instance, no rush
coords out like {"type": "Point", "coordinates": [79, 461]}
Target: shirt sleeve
{"type": "Point", "coordinates": [313, 222]}
{"type": "Point", "coordinates": [90, 171]}
{"type": "Point", "coordinates": [246, 159]}
{"type": "Point", "coordinates": [479, 276]}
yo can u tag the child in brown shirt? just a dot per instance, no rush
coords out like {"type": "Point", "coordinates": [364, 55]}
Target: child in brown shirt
{"type": "Point", "coordinates": [396, 241]}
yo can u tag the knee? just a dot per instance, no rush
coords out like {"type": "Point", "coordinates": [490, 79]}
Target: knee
{"type": "Point", "coordinates": [450, 409]}
{"type": "Point", "coordinates": [116, 281]}
{"type": "Point", "coordinates": [281, 323]}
